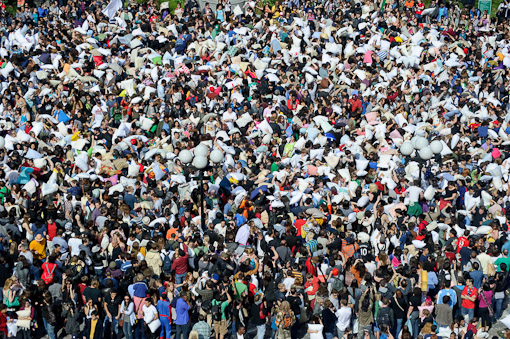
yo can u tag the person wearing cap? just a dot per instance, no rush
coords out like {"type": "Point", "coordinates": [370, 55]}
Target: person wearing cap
{"type": "Point", "coordinates": [164, 310]}
{"type": "Point", "coordinates": [38, 247]}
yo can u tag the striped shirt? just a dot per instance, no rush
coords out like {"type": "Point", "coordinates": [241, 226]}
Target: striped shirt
{"type": "Point", "coordinates": [312, 246]}
{"type": "Point", "coordinates": [203, 330]}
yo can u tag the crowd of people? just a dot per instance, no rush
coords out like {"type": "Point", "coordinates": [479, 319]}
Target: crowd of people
{"type": "Point", "coordinates": [319, 169]}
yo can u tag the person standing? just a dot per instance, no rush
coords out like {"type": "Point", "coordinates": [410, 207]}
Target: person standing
{"type": "Point", "coordinates": [285, 319]}
{"type": "Point", "coordinates": [165, 314]}
{"type": "Point", "coordinates": [468, 296]}
{"type": "Point", "coordinates": [220, 317]}
{"type": "Point", "coordinates": [182, 308]}
{"type": "Point", "coordinates": [127, 316]}
{"type": "Point", "coordinates": [93, 327]}
{"type": "Point", "coordinates": [111, 321]}
{"type": "Point", "coordinates": [150, 315]}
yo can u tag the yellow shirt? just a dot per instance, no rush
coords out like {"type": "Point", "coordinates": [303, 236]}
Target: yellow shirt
{"type": "Point", "coordinates": [39, 248]}
{"type": "Point", "coordinates": [93, 324]}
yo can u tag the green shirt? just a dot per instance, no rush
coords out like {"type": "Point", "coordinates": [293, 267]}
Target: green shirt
{"type": "Point", "coordinates": [240, 289]}
{"type": "Point", "coordinates": [502, 260]}
{"type": "Point", "coordinates": [274, 167]}
{"type": "Point", "coordinates": [223, 306]}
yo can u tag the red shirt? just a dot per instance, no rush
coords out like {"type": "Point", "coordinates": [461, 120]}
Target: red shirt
{"type": "Point", "coordinates": [298, 224]}
{"type": "Point", "coordinates": [3, 323]}
{"type": "Point", "coordinates": [451, 256]}
{"type": "Point", "coordinates": [310, 267]}
{"type": "Point", "coordinates": [462, 242]}
{"type": "Point", "coordinates": [180, 265]}
{"type": "Point", "coordinates": [52, 231]}
{"type": "Point", "coordinates": [470, 292]}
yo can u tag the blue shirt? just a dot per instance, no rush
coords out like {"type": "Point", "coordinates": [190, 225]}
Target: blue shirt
{"type": "Point", "coordinates": [431, 280]}
{"type": "Point", "coordinates": [506, 246]}
{"type": "Point", "coordinates": [163, 308]}
{"type": "Point", "coordinates": [125, 266]}
{"type": "Point", "coordinates": [63, 244]}
{"type": "Point", "coordinates": [182, 309]}
{"type": "Point", "coordinates": [130, 200]}
{"type": "Point", "coordinates": [477, 278]}
{"type": "Point", "coordinates": [451, 293]}
{"type": "Point", "coordinates": [140, 289]}
{"type": "Point", "coordinates": [115, 283]}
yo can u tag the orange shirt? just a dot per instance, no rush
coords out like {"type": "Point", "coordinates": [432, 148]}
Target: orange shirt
{"type": "Point", "coordinates": [170, 232]}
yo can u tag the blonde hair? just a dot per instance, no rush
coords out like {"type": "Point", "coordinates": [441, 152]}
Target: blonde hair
{"type": "Point", "coordinates": [193, 334]}
{"type": "Point", "coordinates": [285, 306]}
{"type": "Point", "coordinates": [9, 282]}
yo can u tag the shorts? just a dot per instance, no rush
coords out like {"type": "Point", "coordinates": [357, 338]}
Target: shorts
{"type": "Point", "coordinates": [220, 327]}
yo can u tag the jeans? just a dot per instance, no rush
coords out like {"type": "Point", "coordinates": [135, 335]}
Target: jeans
{"type": "Point", "coordinates": [261, 331]}
{"type": "Point", "coordinates": [113, 323]}
{"type": "Point", "coordinates": [398, 327]}
{"type": "Point", "coordinates": [50, 329]}
{"type": "Point", "coordinates": [25, 334]}
{"type": "Point", "coordinates": [127, 329]}
{"type": "Point", "coordinates": [139, 332]}
{"type": "Point", "coordinates": [415, 327]}
{"type": "Point", "coordinates": [182, 330]}
{"type": "Point", "coordinates": [179, 279]}
{"type": "Point", "coordinates": [450, 114]}
{"type": "Point", "coordinates": [498, 305]}
{"type": "Point", "coordinates": [467, 313]}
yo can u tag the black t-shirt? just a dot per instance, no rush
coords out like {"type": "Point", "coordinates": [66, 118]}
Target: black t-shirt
{"type": "Point", "coordinates": [92, 293]}
{"type": "Point", "coordinates": [399, 306]}
{"type": "Point", "coordinates": [465, 255]}
{"type": "Point", "coordinates": [113, 304]}
{"type": "Point", "coordinates": [415, 301]}
{"type": "Point", "coordinates": [449, 193]}
{"type": "Point", "coordinates": [295, 304]}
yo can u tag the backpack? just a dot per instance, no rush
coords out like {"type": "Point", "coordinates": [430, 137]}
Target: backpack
{"type": "Point", "coordinates": [206, 305]}
{"type": "Point", "coordinates": [287, 321]}
{"type": "Point", "coordinates": [383, 318]}
{"type": "Point", "coordinates": [261, 313]}
{"type": "Point", "coordinates": [167, 264]}
{"type": "Point", "coordinates": [349, 277]}
{"type": "Point", "coordinates": [48, 274]}
{"type": "Point", "coordinates": [337, 284]}
{"type": "Point", "coordinates": [216, 311]}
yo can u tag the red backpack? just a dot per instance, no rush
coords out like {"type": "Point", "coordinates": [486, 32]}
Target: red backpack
{"type": "Point", "coordinates": [48, 273]}
{"type": "Point", "coordinates": [261, 313]}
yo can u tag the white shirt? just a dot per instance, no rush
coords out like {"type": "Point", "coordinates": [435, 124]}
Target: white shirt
{"type": "Point", "coordinates": [288, 282]}
{"type": "Point", "coordinates": [485, 260]}
{"type": "Point", "coordinates": [74, 244]}
{"type": "Point", "coordinates": [318, 328]}
{"type": "Point", "coordinates": [414, 193]}
{"type": "Point", "coordinates": [243, 233]}
{"type": "Point", "coordinates": [229, 119]}
{"type": "Point", "coordinates": [344, 317]}
{"type": "Point", "coordinates": [149, 313]}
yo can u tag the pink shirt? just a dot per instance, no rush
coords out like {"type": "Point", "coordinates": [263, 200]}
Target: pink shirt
{"type": "Point", "coordinates": [488, 297]}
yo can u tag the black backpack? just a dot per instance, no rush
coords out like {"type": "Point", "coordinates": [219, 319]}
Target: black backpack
{"type": "Point", "coordinates": [167, 264]}
{"type": "Point", "coordinates": [206, 305]}
{"type": "Point", "coordinates": [216, 311]}
{"type": "Point", "coordinates": [383, 318]}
